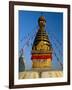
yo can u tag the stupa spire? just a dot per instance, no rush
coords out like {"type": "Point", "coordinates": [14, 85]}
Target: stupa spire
{"type": "Point", "coordinates": [41, 49]}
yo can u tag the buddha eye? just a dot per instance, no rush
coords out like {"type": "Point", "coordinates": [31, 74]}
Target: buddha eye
{"type": "Point", "coordinates": [41, 21]}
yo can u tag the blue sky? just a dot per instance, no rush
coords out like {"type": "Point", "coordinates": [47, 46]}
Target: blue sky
{"type": "Point", "coordinates": [28, 26]}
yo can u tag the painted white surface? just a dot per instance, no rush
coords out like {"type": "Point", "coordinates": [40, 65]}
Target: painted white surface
{"type": "Point", "coordinates": [4, 45]}
{"type": "Point", "coordinates": [16, 21]}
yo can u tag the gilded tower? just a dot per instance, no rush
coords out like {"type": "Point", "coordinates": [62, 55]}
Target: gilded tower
{"type": "Point", "coordinates": [41, 49]}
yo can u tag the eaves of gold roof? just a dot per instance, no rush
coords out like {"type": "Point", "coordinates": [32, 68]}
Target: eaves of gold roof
{"type": "Point", "coordinates": [41, 36]}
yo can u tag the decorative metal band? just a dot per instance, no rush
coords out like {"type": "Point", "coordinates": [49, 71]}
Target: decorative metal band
{"type": "Point", "coordinates": [41, 56]}
{"type": "Point", "coordinates": [41, 52]}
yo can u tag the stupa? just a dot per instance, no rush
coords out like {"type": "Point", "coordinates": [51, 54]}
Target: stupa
{"type": "Point", "coordinates": [41, 54]}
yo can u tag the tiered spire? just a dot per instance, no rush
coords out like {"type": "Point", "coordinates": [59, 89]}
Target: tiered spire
{"type": "Point", "coordinates": [42, 35]}
{"type": "Point", "coordinates": [41, 49]}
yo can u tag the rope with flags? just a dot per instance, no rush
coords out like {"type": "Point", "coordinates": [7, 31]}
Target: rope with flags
{"type": "Point", "coordinates": [54, 37]}
{"type": "Point", "coordinates": [58, 60]}
{"type": "Point", "coordinates": [28, 38]}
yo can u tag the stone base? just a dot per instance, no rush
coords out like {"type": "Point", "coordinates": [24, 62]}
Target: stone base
{"type": "Point", "coordinates": [42, 74]}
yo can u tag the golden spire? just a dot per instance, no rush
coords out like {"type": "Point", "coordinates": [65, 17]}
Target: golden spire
{"type": "Point", "coordinates": [41, 49]}
{"type": "Point", "coordinates": [41, 36]}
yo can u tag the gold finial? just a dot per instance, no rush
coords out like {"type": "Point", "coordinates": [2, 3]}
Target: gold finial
{"type": "Point", "coordinates": [41, 21]}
